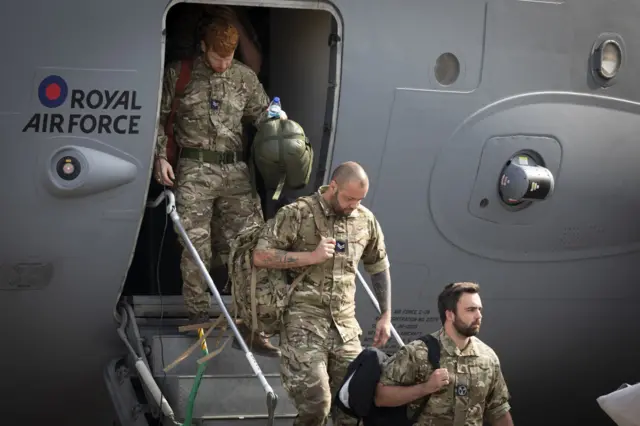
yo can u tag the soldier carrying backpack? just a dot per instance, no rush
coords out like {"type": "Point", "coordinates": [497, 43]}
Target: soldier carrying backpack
{"type": "Point", "coordinates": [296, 277]}
{"type": "Point", "coordinates": [467, 390]}
{"type": "Point", "coordinates": [356, 395]}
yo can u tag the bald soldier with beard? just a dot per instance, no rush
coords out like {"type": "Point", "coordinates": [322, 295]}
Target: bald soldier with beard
{"type": "Point", "coordinates": [332, 231]}
{"type": "Point", "coordinates": [468, 387]}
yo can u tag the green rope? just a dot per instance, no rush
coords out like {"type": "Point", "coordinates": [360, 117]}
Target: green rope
{"type": "Point", "coordinates": [196, 384]}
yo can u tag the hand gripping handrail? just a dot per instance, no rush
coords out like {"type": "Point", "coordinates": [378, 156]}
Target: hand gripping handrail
{"type": "Point", "coordinates": [377, 305]}
{"type": "Point", "coordinates": [272, 398]}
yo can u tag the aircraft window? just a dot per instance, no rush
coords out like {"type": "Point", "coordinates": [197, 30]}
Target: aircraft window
{"type": "Point", "coordinates": [606, 58]}
{"type": "Point", "coordinates": [610, 59]}
{"type": "Point", "coordinates": [447, 69]}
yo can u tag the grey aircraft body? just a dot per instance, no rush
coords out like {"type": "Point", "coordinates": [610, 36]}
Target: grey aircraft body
{"type": "Point", "coordinates": [501, 138]}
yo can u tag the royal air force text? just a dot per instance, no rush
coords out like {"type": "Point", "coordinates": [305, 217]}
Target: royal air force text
{"type": "Point", "coordinates": [88, 123]}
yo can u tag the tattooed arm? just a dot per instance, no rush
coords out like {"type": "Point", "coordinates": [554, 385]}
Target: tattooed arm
{"type": "Point", "coordinates": [376, 263]}
{"type": "Point", "coordinates": [272, 249]}
{"type": "Point", "coordinates": [382, 289]}
{"type": "Point", "coordinates": [281, 259]}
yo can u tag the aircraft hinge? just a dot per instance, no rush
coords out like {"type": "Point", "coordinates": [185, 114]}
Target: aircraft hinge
{"type": "Point", "coordinates": [326, 128]}
{"type": "Point", "coordinates": [332, 84]}
{"type": "Point", "coordinates": [334, 39]}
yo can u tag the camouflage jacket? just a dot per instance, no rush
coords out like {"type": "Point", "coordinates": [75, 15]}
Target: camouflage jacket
{"type": "Point", "coordinates": [210, 112]}
{"type": "Point", "coordinates": [326, 296]}
{"type": "Point", "coordinates": [477, 388]}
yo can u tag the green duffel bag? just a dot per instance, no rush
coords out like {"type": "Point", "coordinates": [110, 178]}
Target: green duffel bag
{"type": "Point", "coordinates": [283, 155]}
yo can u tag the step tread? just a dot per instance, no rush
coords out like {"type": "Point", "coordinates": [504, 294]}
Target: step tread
{"type": "Point", "coordinates": [229, 388]}
{"type": "Point", "coordinates": [224, 397]}
{"type": "Point", "coordinates": [170, 306]}
{"type": "Point", "coordinates": [230, 362]}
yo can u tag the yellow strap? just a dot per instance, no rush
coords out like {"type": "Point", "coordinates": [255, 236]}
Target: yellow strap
{"type": "Point", "coordinates": [193, 347]}
{"type": "Point", "coordinates": [278, 191]}
{"type": "Point", "coordinates": [214, 353]}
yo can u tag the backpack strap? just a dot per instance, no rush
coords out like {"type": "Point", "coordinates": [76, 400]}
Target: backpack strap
{"type": "Point", "coordinates": [433, 348]}
{"type": "Point", "coordinates": [322, 228]}
{"type": "Point", "coordinates": [183, 79]}
{"type": "Point", "coordinates": [254, 286]}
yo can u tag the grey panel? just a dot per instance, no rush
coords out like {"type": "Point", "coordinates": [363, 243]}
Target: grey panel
{"type": "Point", "coordinates": [25, 276]}
{"type": "Point", "coordinates": [485, 201]}
{"type": "Point", "coordinates": [91, 171]}
{"type": "Point", "coordinates": [88, 240]}
{"type": "Point", "coordinates": [590, 180]}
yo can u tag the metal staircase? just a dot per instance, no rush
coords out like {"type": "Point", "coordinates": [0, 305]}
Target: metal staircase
{"type": "Point", "coordinates": [234, 387]}
{"type": "Point", "coordinates": [229, 389]}
{"type": "Point", "coordinates": [229, 392]}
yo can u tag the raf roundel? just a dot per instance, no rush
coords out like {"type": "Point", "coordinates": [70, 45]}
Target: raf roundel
{"type": "Point", "coordinates": [53, 91]}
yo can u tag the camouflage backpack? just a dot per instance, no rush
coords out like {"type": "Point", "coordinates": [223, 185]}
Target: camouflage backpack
{"type": "Point", "coordinates": [260, 295]}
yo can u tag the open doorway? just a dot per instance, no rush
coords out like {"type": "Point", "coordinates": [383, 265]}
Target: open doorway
{"type": "Point", "coordinates": [300, 57]}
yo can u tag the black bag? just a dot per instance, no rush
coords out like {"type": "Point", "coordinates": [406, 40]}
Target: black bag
{"type": "Point", "coordinates": [361, 380]}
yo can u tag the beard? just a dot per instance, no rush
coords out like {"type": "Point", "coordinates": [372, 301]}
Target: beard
{"type": "Point", "coordinates": [337, 208]}
{"type": "Point", "coordinates": [466, 330]}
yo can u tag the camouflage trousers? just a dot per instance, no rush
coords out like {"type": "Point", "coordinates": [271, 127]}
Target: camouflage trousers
{"type": "Point", "coordinates": [210, 198]}
{"type": "Point", "coordinates": [312, 369]}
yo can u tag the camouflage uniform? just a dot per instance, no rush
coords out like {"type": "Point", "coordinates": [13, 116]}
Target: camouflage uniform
{"type": "Point", "coordinates": [208, 118]}
{"type": "Point", "coordinates": [320, 335]}
{"type": "Point", "coordinates": [476, 390]}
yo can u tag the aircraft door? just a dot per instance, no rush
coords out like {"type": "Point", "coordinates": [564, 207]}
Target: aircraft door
{"type": "Point", "coordinates": [77, 122]}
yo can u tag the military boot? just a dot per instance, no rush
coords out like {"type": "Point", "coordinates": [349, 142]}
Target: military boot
{"type": "Point", "coordinates": [257, 343]}
{"type": "Point", "coordinates": [202, 319]}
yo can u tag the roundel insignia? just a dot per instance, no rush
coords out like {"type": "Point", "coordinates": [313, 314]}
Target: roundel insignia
{"type": "Point", "coordinates": [462, 390]}
{"type": "Point", "coordinates": [53, 91]}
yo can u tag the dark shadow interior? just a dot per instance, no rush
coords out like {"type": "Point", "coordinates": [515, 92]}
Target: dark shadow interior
{"type": "Point", "coordinates": [155, 267]}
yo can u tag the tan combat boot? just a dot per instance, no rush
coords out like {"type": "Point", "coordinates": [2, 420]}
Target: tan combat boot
{"type": "Point", "coordinates": [257, 343]}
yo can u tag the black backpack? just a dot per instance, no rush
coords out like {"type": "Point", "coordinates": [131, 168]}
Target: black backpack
{"type": "Point", "coordinates": [362, 378]}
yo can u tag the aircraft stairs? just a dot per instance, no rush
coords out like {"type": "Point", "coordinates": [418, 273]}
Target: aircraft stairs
{"type": "Point", "coordinates": [160, 381]}
{"type": "Point", "coordinates": [233, 387]}
{"type": "Point", "coordinates": [228, 393]}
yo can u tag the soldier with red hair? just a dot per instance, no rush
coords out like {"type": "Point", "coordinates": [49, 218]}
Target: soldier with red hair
{"type": "Point", "coordinates": [211, 178]}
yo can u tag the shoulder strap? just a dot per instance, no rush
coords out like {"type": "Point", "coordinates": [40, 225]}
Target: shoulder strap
{"type": "Point", "coordinates": [433, 347]}
{"type": "Point", "coordinates": [183, 79]}
{"type": "Point", "coordinates": [323, 232]}
{"type": "Point", "coordinates": [321, 226]}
